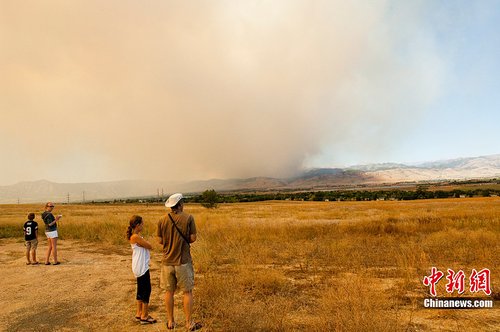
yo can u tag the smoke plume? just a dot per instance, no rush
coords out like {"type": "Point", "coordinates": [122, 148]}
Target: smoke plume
{"type": "Point", "coordinates": [178, 90]}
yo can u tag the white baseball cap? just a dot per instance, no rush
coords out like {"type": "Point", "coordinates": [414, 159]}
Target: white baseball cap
{"type": "Point", "coordinates": [173, 200]}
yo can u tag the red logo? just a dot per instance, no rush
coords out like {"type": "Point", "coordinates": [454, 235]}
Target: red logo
{"type": "Point", "coordinates": [456, 281]}
{"type": "Point", "coordinates": [479, 281]}
{"type": "Point", "coordinates": [433, 279]}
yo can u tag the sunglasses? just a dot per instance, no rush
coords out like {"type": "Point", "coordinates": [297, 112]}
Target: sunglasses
{"type": "Point", "coordinates": [50, 205]}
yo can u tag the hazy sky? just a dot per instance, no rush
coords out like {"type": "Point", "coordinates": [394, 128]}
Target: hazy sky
{"type": "Point", "coordinates": [108, 90]}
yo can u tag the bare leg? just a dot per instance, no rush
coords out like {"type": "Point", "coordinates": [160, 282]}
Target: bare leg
{"type": "Point", "coordinates": [49, 250]}
{"type": "Point", "coordinates": [169, 301]}
{"type": "Point", "coordinates": [145, 313]}
{"type": "Point", "coordinates": [28, 256]}
{"type": "Point", "coordinates": [33, 255]}
{"type": "Point", "coordinates": [188, 307]}
{"type": "Point", "coordinates": [138, 313]}
{"type": "Point", "coordinates": [54, 249]}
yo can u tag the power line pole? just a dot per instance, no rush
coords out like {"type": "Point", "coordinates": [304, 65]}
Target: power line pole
{"type": "Point", "coordinates": [83, 198]}
{"type": "Point", "coordinates": [68, 198]}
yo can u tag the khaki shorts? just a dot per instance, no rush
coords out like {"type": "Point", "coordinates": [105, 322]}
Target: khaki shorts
{"type": "Point", "coordinates": [31, 244]}
{"type": "Point", "coordinates": [172, 276]}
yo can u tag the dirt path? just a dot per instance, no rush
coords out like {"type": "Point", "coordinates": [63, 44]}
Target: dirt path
{"type": "Point", "coordinates": [93, 289]}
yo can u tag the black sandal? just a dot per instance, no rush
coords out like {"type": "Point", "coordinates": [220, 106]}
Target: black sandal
{"type": "Point", "coordinates": [149, 320]}
{"type": "Point", "coordinates": [195, 326]}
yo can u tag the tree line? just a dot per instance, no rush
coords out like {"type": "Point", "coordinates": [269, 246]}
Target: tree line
{"type": "Point", "coordinates": [211, 198]}
{"type": "Point", "coordinates": [346, 195]}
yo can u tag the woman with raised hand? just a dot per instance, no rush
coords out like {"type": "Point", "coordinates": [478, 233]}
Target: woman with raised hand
{"type": "Point", "coordinates": [51, 232]}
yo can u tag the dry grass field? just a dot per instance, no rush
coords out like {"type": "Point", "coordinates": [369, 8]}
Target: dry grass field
{"type": "Point", "coordinates": [269, 266]}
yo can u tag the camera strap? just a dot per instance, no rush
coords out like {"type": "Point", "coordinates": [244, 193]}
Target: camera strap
{"type": "Point", "coordinates": [178, 230]}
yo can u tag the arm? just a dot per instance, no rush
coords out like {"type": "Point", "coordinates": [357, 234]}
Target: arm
{"type": "Point", "coordinates": [56, 220]}
{"type": "Point", "coordinates": [140, 241]}
{"type": "Point", "coordinates": [192, 228]}
{"type": "Point", "coordinates": [159, 233]}
{"type": "Point", "coordinates": [192, 238]}
{"type": "Point", "coordinates": [48, 217]}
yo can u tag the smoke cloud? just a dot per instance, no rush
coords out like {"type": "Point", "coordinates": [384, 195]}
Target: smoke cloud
{"type": "Point", "coordinates": [178, 90]}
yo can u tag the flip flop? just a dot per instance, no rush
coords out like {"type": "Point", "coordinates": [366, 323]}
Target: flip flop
{"type": "Point", "coordinates": [195, 326]}
{"type": "Point", "coordinates": [171, 325]}
{"type": "Point", "coordinates": [35, 263]}
{"type": "Point", "coordinates": [48, 263]}
{"type": "Point", "coordinates": [149, 320]}
{"type": "Point", "coordinates": [57, 263]}
{"type": "Point", "coordinates": [137, 318]}
{"type": "Point", "coordinates": [28, 263]}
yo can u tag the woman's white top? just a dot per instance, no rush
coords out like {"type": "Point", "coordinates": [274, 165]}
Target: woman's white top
{"type": "Point", "coordinates": [140, 260]}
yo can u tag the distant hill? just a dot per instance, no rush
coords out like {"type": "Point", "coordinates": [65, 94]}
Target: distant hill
{"type": "Point", "coordinates": [314, 179]}
{"type": "Point", "coordinates": [453, 169]}
{"type": "Point", "coordinates": [43, 190]}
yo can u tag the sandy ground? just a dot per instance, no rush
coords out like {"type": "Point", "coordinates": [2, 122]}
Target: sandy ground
{"type": "Point", "coordinates": [92, 290]}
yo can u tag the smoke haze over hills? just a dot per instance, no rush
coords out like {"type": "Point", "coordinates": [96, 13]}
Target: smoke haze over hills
{"type": "Point", "coordinates": [102, 91]}
{"type": "Point", "coordinates": [315, 179]}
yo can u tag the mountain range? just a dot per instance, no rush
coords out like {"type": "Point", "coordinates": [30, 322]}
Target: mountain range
{"type": "Point", "coordinates": [313, 179]}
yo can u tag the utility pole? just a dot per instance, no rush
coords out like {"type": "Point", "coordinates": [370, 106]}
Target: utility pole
{"type": "Point", "coordinates": [83, 198]}
{"type": "Point", "coordinates": [18, 202]}
{"type": "Point", "coordinates": [68, 198]}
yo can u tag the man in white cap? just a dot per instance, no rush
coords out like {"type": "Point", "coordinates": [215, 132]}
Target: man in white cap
{"type": "Point", "coordinates": [176, 231]}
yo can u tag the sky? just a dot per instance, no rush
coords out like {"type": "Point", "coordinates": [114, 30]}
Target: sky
{"type": "Point", "coordinates": [186, 90]}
